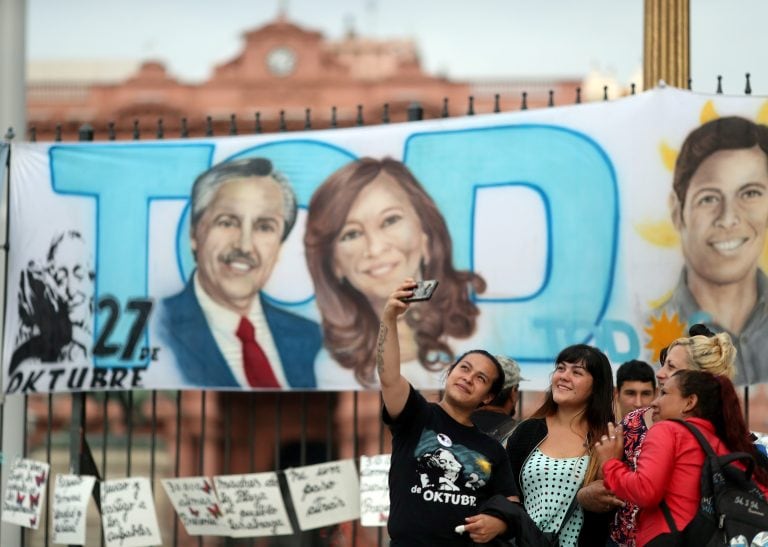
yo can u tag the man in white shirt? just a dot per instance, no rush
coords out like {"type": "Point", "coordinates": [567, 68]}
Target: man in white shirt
{"type": "Point", "coordinates": [222, 330]}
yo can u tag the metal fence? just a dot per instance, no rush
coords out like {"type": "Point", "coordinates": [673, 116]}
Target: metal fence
{"type": "Point", "coordinates": [162, 434]}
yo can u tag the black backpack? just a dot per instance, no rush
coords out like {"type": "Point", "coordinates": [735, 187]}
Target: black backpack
{"type": "Point", "coordinates": [731, 503]}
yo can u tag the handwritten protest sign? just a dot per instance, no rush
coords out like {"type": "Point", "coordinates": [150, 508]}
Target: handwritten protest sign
{"type": "Point", "coordinates": [70, 503]}
{"type": "Point", "coordinates": [253, 505]}
{"type": "Point", "coordinates": [195, 501]}
{"type": "Point", "coordinates": [374, 490]}
{"type": "Point", "coordinates": [324, 494]}
{"type": "Point", "coordinates": [25, 493]}
{"type": "Point", "coordinates": [128, 513]}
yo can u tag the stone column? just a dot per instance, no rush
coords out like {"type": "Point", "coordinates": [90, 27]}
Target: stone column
{"type": "Point", "coordinates": [666, 48]}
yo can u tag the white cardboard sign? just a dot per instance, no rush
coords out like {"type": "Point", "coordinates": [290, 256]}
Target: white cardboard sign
{"type": "Point", "coordinates": [69, 508]}
{"type": "Point", "coordinates": [128, 513]}
{"type": "Point", "coordinates": [324, 494]}
{"type": "Point", "coordinates": [374, 490]}
{"type": "Point", "coordinates": [253, 505]}
{"type": "Point", "coordinates": [195, 501]}
{"type": "Point", "coordinates": [25, 493]}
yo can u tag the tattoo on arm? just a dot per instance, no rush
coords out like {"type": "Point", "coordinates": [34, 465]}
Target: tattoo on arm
{"type": "Point", "coordinates": [380, 347]}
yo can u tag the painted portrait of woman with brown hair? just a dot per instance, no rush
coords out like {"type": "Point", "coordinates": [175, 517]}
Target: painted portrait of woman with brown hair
{"type": "Point", "coordinates": [370, 225]}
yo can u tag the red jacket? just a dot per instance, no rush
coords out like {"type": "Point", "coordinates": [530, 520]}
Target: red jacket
{"type": "Point", "coordinates": [669, 468]}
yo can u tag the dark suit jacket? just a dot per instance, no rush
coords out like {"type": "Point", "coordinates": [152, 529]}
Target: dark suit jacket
{"type": "Point", "coordinates": [186, 332]}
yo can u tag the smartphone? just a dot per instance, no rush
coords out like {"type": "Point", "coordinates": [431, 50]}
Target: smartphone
{"type": "Point", "coordinates": [422, 291]}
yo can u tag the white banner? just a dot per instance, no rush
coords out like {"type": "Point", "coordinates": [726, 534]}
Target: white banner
{"type": "Point", "coordinates": [263, 261]}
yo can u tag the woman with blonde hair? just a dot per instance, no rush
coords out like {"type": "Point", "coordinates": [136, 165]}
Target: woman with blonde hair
{"type": "Point", "coordinates": [715, 354]}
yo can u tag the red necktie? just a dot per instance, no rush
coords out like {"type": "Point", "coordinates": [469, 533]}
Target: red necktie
{"type": "Point", "coordinates": [257, 369]}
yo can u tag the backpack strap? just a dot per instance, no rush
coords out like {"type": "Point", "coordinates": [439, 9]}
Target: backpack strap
{"type": "Point", "coordinates": [747, 459]}
{"type": "Point", "coordinates": [668, 516]}
{"type": "Point", "coordinates": [708, 450]}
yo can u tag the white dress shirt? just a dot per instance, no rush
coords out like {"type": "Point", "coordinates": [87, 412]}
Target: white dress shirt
{"type": "Point", "coordinates": [223, 324]}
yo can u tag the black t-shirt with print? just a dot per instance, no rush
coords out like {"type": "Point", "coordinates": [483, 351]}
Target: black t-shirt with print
{"type": "Point", "coordinates": [441, 472]}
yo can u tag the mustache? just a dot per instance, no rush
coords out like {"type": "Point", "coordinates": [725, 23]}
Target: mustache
{"type": "Point", "coordinates": [240, 256]}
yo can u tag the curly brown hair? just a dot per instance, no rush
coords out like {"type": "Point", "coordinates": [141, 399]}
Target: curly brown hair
{"type": "Point", "coordinates": [350, 324]}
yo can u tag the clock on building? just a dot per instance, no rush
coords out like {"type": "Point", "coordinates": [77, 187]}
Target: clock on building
{"type": "Point", "coordinates": [281, 61]}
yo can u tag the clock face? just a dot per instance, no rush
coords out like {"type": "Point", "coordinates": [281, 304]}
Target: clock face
{"type": "Point", "coordinates": [281, 61]}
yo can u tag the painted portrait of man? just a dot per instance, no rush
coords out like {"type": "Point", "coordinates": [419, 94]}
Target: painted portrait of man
{"type": "Point", "coordinates": [222, 329]}
{"type": "Point", "coordinates": [719, 206]}
{"type": "Point", "coordinates": [56, 304]}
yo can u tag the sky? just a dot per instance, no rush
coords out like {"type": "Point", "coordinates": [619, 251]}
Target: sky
{"type": "Point", "coordinates": [461, 39]}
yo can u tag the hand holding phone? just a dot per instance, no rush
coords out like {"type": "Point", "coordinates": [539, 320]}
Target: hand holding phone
{"type": "Point", "coordinates": [422, 291]}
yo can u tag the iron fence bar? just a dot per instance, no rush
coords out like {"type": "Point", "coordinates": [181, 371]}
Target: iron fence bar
{"type": "Point", "coordinates": [227, 434]}
{"type": "Point", "coordinates": [48, 460]}
{"type": "Point", "coordinates": [77, 432]}
{"type": "Point", "coordinates": [25, 427]}
{"type": "Point", "coordinates": [329, 406]}
{"type": "Point", "coordinates": [252, 439]}
{"type": "Point", "coordinates": [177, 461]}
{"type": "Point", "coordinates": [303, 428]}
{"type": "Point", "coordinates": [129, 440]}
{"type": "Point", "coordinates": [24, 451]}
{"type": "Point", "coordinates": [201, 463]}
{"type": "Point", "coordinates": [278, 421]}
{"type": "Point", "coordinates": [355, 450]}
{"type": "Point", "coordinates": [252, 431]}
{"type": "Point", "coordinates": [203, 411]}
{"type": "Point", "coordinates": [380, 530]}
{"type": "Point", "coordinates": [153, 442]}
{"type": "Point", "coordinates": [104, 441]}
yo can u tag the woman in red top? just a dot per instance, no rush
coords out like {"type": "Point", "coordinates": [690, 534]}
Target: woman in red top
{"type": "Point", "coordinates": [670, 451]}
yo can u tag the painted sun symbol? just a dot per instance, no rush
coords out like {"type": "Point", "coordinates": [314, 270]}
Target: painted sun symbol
{"type": "Point", "coordinates": [484, 465]}
{"type": "Point", "coordinates": [663, 331]}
